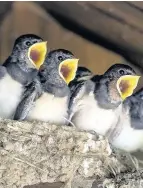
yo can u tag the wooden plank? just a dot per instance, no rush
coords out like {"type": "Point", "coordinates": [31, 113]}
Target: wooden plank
{"type": "Point", "coordinates": [122, 12]}
{"type": "Point", "coordinates": [26, 19]}
{"type": "Point", "coordinates": [136, 4]}
{"type": "Point", "coordinates": [5, 37]}
{"type": "Point", "coordinates": [4, 8]}
{"type": "Point", "coordinates": [95, 20]}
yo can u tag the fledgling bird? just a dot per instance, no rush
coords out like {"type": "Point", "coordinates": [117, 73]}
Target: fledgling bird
{"type": "Point", "coordinates": [82, 74]}
{"type": "Point", "coordinates": [19, 70]}
{"type": "Point", "coordinates": [129, 133]}
{"type": "Point", "coordinates": [48, 97]}
{"type": "Point", "coordinates": [97, 103]}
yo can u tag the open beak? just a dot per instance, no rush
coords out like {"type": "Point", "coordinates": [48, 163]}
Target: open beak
{"type": "Point", "coordinates": [126, 85]}
{"type": "Point", "coordinates": [67, 69]}
{"type": "Point", "coordinates": [37, 53]}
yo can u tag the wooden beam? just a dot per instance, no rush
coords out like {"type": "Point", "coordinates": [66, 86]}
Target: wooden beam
{"type": "Point", "coordinates": [115, 25]}
{"type": "Point", "coordinates": [4, 8]}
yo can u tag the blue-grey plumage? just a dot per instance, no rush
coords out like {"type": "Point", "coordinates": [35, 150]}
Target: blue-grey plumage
{"type": "Point", "coordinates": [130, 124]}
{"type": "Point", "coordinates": [19, 70]}
{"type": "Point", "coordinates": [134, 104]}
{"type": "Point", "coordinates": [49, 99]}
{"type": "Point", "coordinates": [82, 74]}
{"type": "Point", "coordinates": [97, 103]}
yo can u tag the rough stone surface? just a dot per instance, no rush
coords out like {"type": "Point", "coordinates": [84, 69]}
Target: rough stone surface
{"type": "Point", "coordinates": [46, 185]}
{"type": "Point", "coordinates": [33, 153]}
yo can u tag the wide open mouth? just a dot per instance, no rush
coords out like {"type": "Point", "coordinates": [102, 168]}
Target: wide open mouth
{"type": "Point", "coordinates": [126, 85]}
{"type": "Point", "coordinates": [67, 69]}
{"type": "Point", "coordinates": [37, 53]}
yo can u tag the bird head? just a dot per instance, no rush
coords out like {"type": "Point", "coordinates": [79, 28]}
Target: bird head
{"type": "Point", "coordinates": [29, 52]}
{"type": "Point", "coordinates": [82, 74]}
{"type": "Point", "coordinates": [122, 80]}
{"type": "Point", "coordinates": [57, 71]}
{"type": "Point", "coordinates": [60, 67]}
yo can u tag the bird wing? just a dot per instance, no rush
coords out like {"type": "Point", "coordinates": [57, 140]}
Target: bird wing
{"type": "Point", "coordinates": [79, 89]}
{"type": "Point", "coordinates": [139, 94]}
{"type": "Point", "coordinates": [135, 104]}
{"type": "Point", "coordinates": [76, 94]}
{"type": "Point", "coordinates": [32, 92]}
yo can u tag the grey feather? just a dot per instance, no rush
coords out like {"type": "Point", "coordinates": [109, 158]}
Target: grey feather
{"type": "Point", "coordinates": [32, 92]}
{"type": "Point", "coordinates": [135, 105]}
{"type": "Point", "coordinates": [3, 72]}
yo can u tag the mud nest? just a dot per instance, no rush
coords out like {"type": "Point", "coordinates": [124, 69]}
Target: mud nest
{"type": "Point", "coordinates": [33, 153]}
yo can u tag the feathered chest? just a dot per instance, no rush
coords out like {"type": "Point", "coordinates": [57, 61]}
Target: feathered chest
{"type": "Point", "coordinates": [89, 116]}
{"type": "Point", "coordinates": [50, 109]}
{"type": "Point", "coordinates": [10, 96]}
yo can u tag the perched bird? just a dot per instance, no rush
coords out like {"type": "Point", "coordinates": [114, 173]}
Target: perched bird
{"type": "Point", "coordinates": [97, 103]}
{"type": "Point", "coordinates": [82, 74]}
{"type": "Point", "coordinates": [129, 132]}
{"type": "Point", "coordinates": [19, 70]}
{"type": "Point", "coordinates": [48, 97]}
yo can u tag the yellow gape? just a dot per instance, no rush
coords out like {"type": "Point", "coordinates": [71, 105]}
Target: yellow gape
{"type": "Point", "coordinates": [67, 69]}
{"type": "Point", "coordinates": [37, 53]}
{"type": "Point", "coordinates": [126, 85]}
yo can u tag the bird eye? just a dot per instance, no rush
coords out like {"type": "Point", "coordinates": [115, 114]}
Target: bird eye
{"type": "Point", "coordinates": [122, 72]}
{"type": "Point", "coordinates": [28, 43]}
{"type": "Point", "coordinates": [60, 58]}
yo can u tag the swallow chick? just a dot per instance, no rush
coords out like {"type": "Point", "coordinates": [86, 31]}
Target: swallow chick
{"type": "Point", "coordinates": [129, 133]}
{"type": "Point", "coordinates": [82, 74]}
{"type": "Point", "coordinates": [97, 103]}
{"type": "Point", "coordinates": [48, 97]}
{"type": "Point", "coordinates": [19, 70]}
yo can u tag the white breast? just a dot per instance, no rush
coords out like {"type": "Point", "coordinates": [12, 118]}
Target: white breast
{"type": "Point", "coordinates": [88, 116]}
{"type": "Point", "coordinates": [50, 109]}
{"type": "Point", "coordinates": [10, 95]}
{"type": "Point", "coordinates": [129, 139]}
